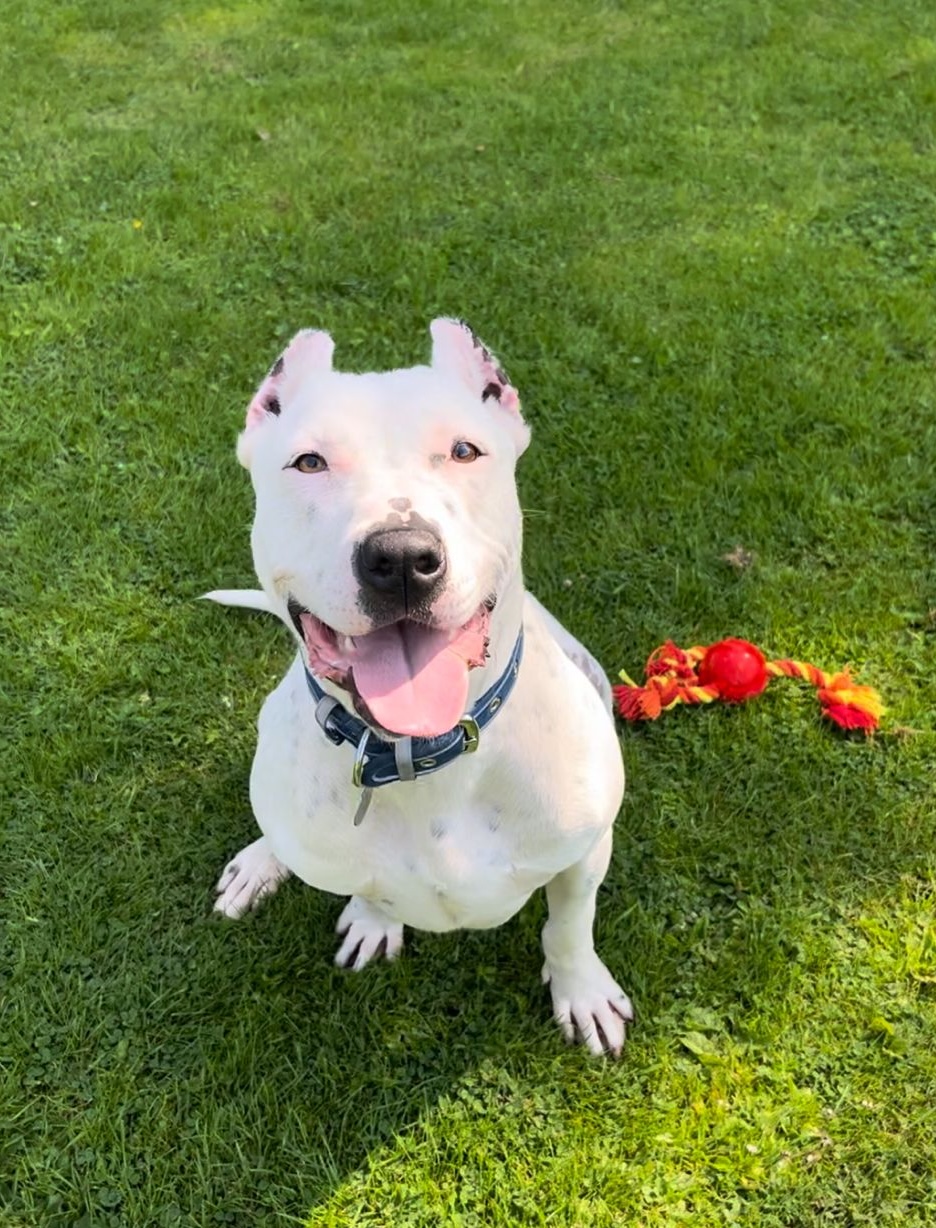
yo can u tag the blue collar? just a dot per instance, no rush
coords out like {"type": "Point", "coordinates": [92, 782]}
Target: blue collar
{"type": "Point", "coordinates": [377, 762]}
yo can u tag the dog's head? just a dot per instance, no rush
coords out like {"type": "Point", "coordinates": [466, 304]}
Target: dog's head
{"type": "Point", "coordinates": [387, 519]}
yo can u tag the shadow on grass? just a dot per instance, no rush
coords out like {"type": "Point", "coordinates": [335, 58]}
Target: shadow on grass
{"type": "Point", "coordinates": [177, 1067]}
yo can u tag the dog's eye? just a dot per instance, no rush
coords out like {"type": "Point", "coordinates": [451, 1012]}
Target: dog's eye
{"type": "Point", "coordinates": [465, 452]}
{"type": "Point", "coordinates": [310, 462]}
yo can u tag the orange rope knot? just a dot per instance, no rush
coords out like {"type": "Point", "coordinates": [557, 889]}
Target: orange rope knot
{"type": "Point", "coordinates": [735, 670]}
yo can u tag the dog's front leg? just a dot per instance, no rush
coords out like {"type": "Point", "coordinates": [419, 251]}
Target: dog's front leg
{"type": "Point", "coordinates": [249, 878]}
{"type": "Point", "coordinates": [586, 998]}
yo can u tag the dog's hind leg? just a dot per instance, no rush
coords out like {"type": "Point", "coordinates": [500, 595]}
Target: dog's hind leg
{"type": "Point", "coordinates": [576, 652]}
{"type": "Point", "coordinates": [248, 878]}
{"type": "Point", "coordinates": [367, 932]}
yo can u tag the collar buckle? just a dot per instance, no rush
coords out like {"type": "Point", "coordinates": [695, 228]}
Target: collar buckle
{"type": "Point", "coordinates": [472, 734]}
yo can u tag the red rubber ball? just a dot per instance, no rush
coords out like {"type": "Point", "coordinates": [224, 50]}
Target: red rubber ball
{"type": "Point", "coordinates": [736, 667]}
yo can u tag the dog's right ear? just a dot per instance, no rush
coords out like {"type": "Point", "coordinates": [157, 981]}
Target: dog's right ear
{"type": "Point", "coordinates": [310, 350]}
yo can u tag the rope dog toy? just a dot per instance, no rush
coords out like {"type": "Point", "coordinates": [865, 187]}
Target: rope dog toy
{"type": "Point", "coordinates": [735, 670]}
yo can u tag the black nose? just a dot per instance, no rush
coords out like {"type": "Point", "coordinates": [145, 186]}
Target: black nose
{"type": "Point", "coordinates": [407, 564]}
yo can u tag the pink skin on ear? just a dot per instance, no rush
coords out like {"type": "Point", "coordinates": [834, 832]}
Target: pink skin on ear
{"type": "Point", "coordinates": [456, 347]}
{"type": "Point", "coordinates": [265, 402]}
{"type": "Point", "coordinates": [309, 350]}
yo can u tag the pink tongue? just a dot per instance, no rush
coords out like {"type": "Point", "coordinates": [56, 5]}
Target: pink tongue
{"type": "Point", "coordinates": [412, 679]}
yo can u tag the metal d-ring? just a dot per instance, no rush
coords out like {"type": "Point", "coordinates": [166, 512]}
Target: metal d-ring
{"type": "Point", "coordinates": [357, 771]}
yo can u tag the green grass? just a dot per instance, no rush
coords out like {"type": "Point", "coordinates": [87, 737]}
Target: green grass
{"type": "Point", "coordinates": [702, 238]}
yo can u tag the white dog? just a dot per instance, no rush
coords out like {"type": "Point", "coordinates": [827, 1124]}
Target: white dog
{"type": "Point", "coordinates": [441, 747]}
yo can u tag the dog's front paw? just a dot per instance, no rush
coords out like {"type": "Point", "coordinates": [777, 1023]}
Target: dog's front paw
{"type": "Point", "coordinates": [245, 880]}
{"type": "Point", "coordinates": [589, 1004]}
{"type": "Point", "coordinates": [367, 932]}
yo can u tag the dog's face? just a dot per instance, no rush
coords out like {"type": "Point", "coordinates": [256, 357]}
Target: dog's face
{"type": "Point", "coordinates": [387, 519]}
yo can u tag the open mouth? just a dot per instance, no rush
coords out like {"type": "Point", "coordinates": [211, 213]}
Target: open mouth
{"type": "Point", "coordinates": [407, 678]}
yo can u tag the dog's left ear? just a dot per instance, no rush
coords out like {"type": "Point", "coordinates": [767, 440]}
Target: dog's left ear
{"type": "Point", "coordinates": [309, 350]}
{"type": "Point", "coordinates": [459, 350]}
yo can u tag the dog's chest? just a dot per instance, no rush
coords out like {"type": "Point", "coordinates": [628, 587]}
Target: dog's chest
{"type": "Point", "coordinates": [461, 869]}
{"type": "Point", "coordinates": [458, 866]}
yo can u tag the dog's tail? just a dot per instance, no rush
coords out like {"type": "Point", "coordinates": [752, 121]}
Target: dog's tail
{"type": "Point", "coordinates": [247, 598]}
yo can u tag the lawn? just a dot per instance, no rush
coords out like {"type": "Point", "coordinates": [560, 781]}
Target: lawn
{"type": "Point", "coordinates": [702, 239]}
